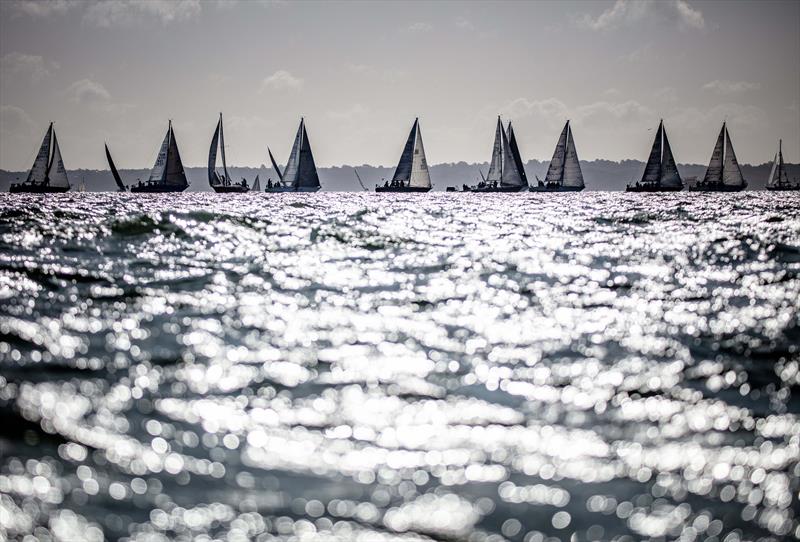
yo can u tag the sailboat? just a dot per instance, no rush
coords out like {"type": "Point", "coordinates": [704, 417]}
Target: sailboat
{"type": "Point", "coordinates": [504, 173]}
{"type": "Point", "coordinates": [411, 174]}
{"type": "Point", "coordinates": [778, 179]}
{"type": "Point", "coordinates": [167, 174]}
{"type": "Point", "coordinates": [660, 173]}
{"type": "Point", "coordinates": [723, 173]}
{"type": "Point", "coordinates": [48, 174]}
{"type": "Point", "coordinates": [300, 174]}
{"type": "Point", "coordinates": [256, 185]}
{"type": "Point", "coordinates": [221, 183]}
{"type": "Point", "coordinates": [564, 173]}
{"type": "Point", "coordinates": [117, 179]}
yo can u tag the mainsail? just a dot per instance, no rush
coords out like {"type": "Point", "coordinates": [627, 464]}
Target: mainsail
{"type": "Point", "coordinates": [573, 176]}
{"type": "Point", "coordinates": [661, 168]}
{"type": "Point", "coordinates": [168, 168]}
{"type": "Point", "coordinates": [778, 175]}
{"type": "Point", "coordinates": [555, 172]}
{"type": "Point", "coordinates": [503, 168]}
{"type": "Point", "coordinates": [160, 167]}
{"type": "Point", "coordinates": [495, 172]}
{"type": "Point", "coordinates": [114, 172]}
{"type": "Point", "coordinates": [256, 185]}
{"type": "Point", "coordinates": [652, 171]}
{"type": "Point", "coordinates": [714, 169]}
{"type": "Point", "coordinates": [512, 143]}
{"type": "Point", "coordinates": [56, 172]}
{"type": "Point", "coordinates": [510, 176]}
{"type": "Point", "coordinates": [669, 169]}
{"type": "Point", "coordinates": [731, 172]}
{"type": "Point", "coordinates": [218, 140]}
{"type": "Point", "coordinates": [301, 172]}
{"type": "Point", "coordinates": [38, 172]}
{"type": "Point", "coordinates": [412, 170]}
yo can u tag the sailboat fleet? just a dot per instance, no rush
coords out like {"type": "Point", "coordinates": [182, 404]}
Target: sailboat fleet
{"type": "Point", "coordinates": [506, 169]}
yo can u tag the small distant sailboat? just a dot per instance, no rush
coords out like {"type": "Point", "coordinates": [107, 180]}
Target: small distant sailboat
{"type": "Point", "coordinates": [48, 174]}
{"type": "Point", "coordinates": [82, 186]}
{"type": "Point", "coordinates": [505, 171]}
{"type": "Point", "coordinates": [167, 174]}
{"type": "Point", "coordinates": [300, 174]}
{"type": "Point", "coordinates": [221, 183]}
{"type": "Point", "coordinates": [564, 173]}
{"type": "Point", "coordinates": [778, 179]}
{"type": "Point", "coordinates": [117, 179]}
{"type": "Point", "coordinates": [660, 173]}
{"type": "Point", "coordinates": [256, 185]}
{"type": "Point", "coordinates": [723, 173]}
{"type": "Point", "coordinates": [411, 174]}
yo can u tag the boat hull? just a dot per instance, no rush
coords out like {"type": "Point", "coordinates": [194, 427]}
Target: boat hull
{"type": "Point", "coordinates": [25, 188]}
{"type": "Point", "coordinates": [558, 189]}
{"type": "Point", "coordinates": [716, 187]}
{"type": "Point", "coordinates": [784, 188]}
{"type": "Point", "coordinates": [402, 189]}
{"type": "Point", "coordinates": [652, 188]}
{"type": "Point", "coordinates": [157, 188]}
{"type": "Point", "coordinates": [281, 189]}
{"type": "Point", "coordinates": [232, 189]}
{"type": "Point", "coordinates": [503, 189]}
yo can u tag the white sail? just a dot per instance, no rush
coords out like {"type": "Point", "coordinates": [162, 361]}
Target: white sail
{"type": "Point", "coordinates": [174, 173]}
{"type": "Point", "coordinates": [213, 178]}
{"type": "Point", "coordinates": [555, 172]}
{"type": "Point", "coordinates": [652, 171]}
{"type": "Point", "coordinates": [573, 176]}
{"type": "Point", "coordinates": [774, 174]}
{"type": "Point", "coordinates": [38, 172]}
{"type": "Point", "coordinates": [510, 175]}
{"type": "Point", "coordinates": [496, 165]}
{"type": "Point", "coordinates": [778, 175]}
{"type": "Point", "coordinates": [669, 169]}
{"type": "Point", "coordinates": [160, 167]}
{"type": "Point", "coordinates": [714, 169]}
{"type": "Point", "coordinates": [57, 173]}
{"type": "Point", "coordinates": [420, 176]}
{"type": "Point", "coordinates": [731, 172]}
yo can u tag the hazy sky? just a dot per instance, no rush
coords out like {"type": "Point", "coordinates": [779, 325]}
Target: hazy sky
{"type": "Point", "coordinates": [115, 71]}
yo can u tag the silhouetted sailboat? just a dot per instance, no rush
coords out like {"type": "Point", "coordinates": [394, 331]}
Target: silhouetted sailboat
{"type": "Point", "coordinates": [564, 173]}
{"type": "Point", "coordinates": [48, 174]}
{"type": "Point", "coordinates": [300, 174]}
{"type": "Point", "coordinates": [167, 174]}
{"type": "Point", "coordinates": [256, 185]}
{"type": "Point", "coordinates": [778, 179]}
{"type": "Point", "coordinates": [723, 173]}
{"type": "Point", "coordinates": [504, 174]}
{"type": "Point", "coordinates": [660, 173]}
{"type": "Point", "coordinates": [221, 183]}
{"type": "Point", "coordinates": [411, 174]}
{"type": "Point", "coordinates": [117, 179]}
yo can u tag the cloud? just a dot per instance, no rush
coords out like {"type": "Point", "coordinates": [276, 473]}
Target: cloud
{"type": "Point", "coordinates": [666, 94]}
{"type": "Point", "coordinates": [738, 116]}
{"type": "Point", "coordinates": [419, 27]}
{"type": "Point", "coordinates": [553, 111]}
{"type": "Point", "coordinates": [281, 80]}
{"type": "Point", "coordinates": [34, 66]}
{"type": "Point", "coordinates": [38, 8]}
{"type": "Point", "coordinates": [387, 75]}
{"type": "Point", "coordinates": [88, 92]}
{"type": "Point", "coordinates": [630, 12]}
{"type": "Point", "coordinates": [116, 12]}
{"type": "Point", "coordinates": [352, 113]}
{"type": "Point", "coordinates": [730, 87]}
{"type": "Point", "coordinates": [15, 121]}
{"type": "Point", "coordinates": [464, 24]}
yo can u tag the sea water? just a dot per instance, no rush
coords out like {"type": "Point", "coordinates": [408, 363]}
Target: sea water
{"type": "Point", "coordinates": [344, 366]}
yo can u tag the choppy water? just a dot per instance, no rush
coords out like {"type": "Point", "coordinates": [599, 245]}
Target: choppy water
{"type": "Point", "coordinates": [361, 367]}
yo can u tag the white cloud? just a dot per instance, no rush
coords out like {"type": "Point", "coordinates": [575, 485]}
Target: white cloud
{"type": "Point", "coordinates": [281, 80]}
{"type": "Point", "coordinates": [738, 116]}
{"type": "Point", "coordinates": [629, 12]}
{"type": "Point", "coordinates": [88, 92]}
{"type": "Point", "coordinates": [114, 12]}
{"type": "Point", "coordinates": [33, 66]}
{"type": "Point", "coordinates": [553, 111]}
{"type": "Point", "coordinates": [387, 75]}
{"type": "Point", "coordinates": [352, 113]}
{"type": "Point", "coordinates": [15, 121]}
{"type": "Point", "coordinates": [420, 27]}
{"type": "Point", "coordinates": [666, 94]}
{"type": "Point", "coordinates": [730, 87]}
{"type": "Point", "coordinates": [39, 8]}
{"type": "Point", "coordinates": [464, 24]}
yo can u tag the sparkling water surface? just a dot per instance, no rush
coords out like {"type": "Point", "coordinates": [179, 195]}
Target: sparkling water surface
{"type": "Point", "coordinates": [342, 366]}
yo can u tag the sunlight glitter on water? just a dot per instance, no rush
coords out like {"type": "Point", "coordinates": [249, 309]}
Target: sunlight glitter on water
{"type": "Point", "coordinates": [358, 367]}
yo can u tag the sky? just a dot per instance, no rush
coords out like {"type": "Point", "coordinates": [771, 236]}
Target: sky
{"type": "Point", "coordinates": [117, 71]}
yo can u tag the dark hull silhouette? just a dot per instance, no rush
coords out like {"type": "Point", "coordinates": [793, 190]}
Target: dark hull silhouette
{"type": "Point", "coordinates": [716, 187]}
{"type": "Point", "coordinates": [784, 187]}
{"type": "Point", "coordinates": [493, 188]}
{"type": "Point", "coordinates": [402, 189]}
{"type": "Point", "coordinates": [232, 189]}
{"type": "Point", "coordinates": [279, 189]}
{"type": "Point", "coordinates": [157, 188]}
{"type": "Point", "coordinates": [652, 188]}
{"type": "Point", "coordinates": [556, 189]}
{"type": "Point", "coordinates": [29, 188]}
